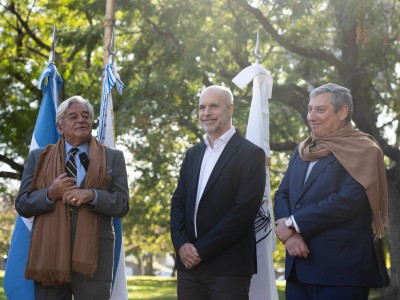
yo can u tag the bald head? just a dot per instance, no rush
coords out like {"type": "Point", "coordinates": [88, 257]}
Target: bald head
{"type": "Point", "coordinates": [215, 111]}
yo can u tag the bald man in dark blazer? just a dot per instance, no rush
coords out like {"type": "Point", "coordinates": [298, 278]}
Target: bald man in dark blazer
{"type": "Point", "coordinates": [213, 209]}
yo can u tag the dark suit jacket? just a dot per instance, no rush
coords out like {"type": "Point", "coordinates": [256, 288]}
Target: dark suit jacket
{"type": "Point", "coordinates": [228, 207]}
{"type": "Point", "coordinates": [112, 202]}
{"type": "Point", "coordinates": [334, 217]}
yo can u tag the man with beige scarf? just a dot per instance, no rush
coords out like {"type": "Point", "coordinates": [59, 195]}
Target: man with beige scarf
{"type": "Point", "coordinates": [330, 203]}
{"type": "Point", "coordinates": [72, 241]}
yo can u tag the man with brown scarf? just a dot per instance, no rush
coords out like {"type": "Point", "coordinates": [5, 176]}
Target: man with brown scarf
{"type": "Point", "coordinates": [72, 241]}
{"type": "Point", "coordinates": [330, 203]}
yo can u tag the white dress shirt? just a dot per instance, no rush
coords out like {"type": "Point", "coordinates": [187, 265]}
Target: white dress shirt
{"type": "Point", "coordinates": [210, 158]}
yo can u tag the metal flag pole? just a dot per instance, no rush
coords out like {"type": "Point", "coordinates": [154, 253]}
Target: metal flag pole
{"type": "Point", "coordinates": [110, 47]}
{"type": "Point", "coordinates": [256, 50]}
{"type": "Point", "coordinates": [52, 55]}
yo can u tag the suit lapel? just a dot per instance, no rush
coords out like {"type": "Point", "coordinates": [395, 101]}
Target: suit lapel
{"type": "Point", "coordinates": [315, 172]}
{"type": "Point", "coordinates": [194, 169]}
{"type": "Point", "coordinates": [230, 149]}
{"type": "Point", "coordinates": [297, 182]}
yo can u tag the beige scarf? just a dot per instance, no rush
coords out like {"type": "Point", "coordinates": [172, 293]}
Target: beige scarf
{"type": "Point", "coordinates": [49, 259]}
{"type": "Point", "coordinates": [362, 157]}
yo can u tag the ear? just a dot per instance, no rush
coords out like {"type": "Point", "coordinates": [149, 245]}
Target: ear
{"type": "Point", "coordinates": [231, 109]}
{"type": "Point", "coordinates": [343, 112]}
{"type": "Point", "coordinates": [59, 128]}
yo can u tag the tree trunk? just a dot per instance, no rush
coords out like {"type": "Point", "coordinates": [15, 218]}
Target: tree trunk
{"type": "Point", "coordinates": [148, 264]}
{"type": "Point", "coordinates": [393, 229]}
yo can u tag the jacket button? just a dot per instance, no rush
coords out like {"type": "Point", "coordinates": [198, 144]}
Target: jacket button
{"type": "Point", "coordinates": [298, 205]}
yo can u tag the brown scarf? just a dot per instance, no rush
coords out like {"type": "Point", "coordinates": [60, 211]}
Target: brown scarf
{"type": "Point", "coordinates": [49, 259]}
{"type": "Point", "coordinates": [362, 157]}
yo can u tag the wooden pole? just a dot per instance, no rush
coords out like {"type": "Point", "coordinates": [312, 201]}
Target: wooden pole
{"type": "Point", "coordinates": [109, 23]}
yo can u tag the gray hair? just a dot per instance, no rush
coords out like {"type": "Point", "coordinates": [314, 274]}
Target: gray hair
{"type": "Point", "coordinates": [226, 92]}
{"type": "Point", "coordinates": [67, 103]}
{"type": "Point", "coordinates": [340, 96]}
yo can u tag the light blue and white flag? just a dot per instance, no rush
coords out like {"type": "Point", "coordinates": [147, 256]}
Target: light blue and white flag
{"type": "Point", "coordinates": [106, 136]}
{"type": "Point", "coordinates": [263, 285]}
{"type": "Point", "coordinates": [16, 286]}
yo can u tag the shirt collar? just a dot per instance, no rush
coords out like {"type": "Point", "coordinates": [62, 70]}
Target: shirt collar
{"type": "Point", "coordinates": [223, 139]}
{"type": "Point", "coordinates": [82, 148]}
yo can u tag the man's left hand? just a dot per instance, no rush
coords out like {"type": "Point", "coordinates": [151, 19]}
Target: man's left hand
{"type": "Point", "coordinates": [77, 197]}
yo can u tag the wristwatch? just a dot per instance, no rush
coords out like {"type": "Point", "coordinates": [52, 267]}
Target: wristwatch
{"type": "Point", "coordinates": [289, 224]}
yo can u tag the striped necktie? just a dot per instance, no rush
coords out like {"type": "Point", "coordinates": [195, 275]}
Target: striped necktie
{"type": "Point", "coordinates": [70, 166]}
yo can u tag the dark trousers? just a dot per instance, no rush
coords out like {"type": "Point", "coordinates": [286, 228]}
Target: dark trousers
{"type": "Point", "coordinates": [194, 286]}
{"type": "Point", "coordinates": [82, 287]}
{"type": "Point", "coordinates": [296, 290]}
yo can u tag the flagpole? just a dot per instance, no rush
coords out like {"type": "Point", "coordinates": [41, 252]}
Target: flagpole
{"type": "Point", "coordinates": [109, 24]}
{"type": "Point", "coordinates": [52, 55]}
{"type": "Point", "coordinates": [256, 52]}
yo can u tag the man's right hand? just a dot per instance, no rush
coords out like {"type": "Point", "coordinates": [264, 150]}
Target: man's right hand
{"type": "Point", "coordinates": [189, 255]}
{"type": "Point", "coordinates": [59, 186]}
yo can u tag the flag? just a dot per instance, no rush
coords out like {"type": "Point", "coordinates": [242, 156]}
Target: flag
{"type": "Point", "coordinates": [16, 287]}
{"type": "Point", "coordinates": [107, 137]}
{"type": "Point", "coordinates": [263, 285]}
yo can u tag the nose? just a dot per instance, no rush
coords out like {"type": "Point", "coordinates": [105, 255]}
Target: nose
{"type": "Point", "coordinates": [81, 118]}
{"type": "Point", "coordinates": [207, 110]}
{"type": "Point", "coordinates": [311, 115]}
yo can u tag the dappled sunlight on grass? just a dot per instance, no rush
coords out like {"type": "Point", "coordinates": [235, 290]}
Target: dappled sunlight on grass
{"type": "Point", "coordinates": [150, 287]}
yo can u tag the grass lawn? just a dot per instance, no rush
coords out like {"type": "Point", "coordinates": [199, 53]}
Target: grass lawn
{"type": "Point", "coordinates": [151, 288]}
{"type": "Point", "coordinates": [159, 288]}
{"type": "Point", "coordinates": [163, 288]}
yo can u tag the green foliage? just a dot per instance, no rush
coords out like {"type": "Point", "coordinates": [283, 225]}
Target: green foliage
{"type": "Point", "coordinates": [8, 214]}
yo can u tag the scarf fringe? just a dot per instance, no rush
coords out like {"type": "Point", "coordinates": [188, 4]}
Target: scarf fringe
{"type": "Point", "coordinates": [87, 269]}
{"type": "Point", "coordinates": [49, 278]}
{"type": "Point", "coordinates": [378, 226]}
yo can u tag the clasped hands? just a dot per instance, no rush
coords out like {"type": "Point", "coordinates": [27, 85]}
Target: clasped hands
{"type": "Point", "coordinates": [294, 242]}
{"type": "Point", "coordinates": [189, 255]}
{"type": "Point", "coordinates": [65, 188]}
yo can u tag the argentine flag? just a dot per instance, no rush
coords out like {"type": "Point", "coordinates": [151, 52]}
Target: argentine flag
{"type": "Point", "coordinates": [16, 286]}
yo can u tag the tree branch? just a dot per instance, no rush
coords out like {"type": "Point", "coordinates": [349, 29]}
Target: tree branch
{"type": "Point", "coordinates": [11, 8]}
{"type": "Point", "coordinates": [14, 165]}
{"type": "Point", "coordinates": [10, 175]}
{"type": "Point", "coordinates": [303, 51]}
{"type": "Point", "coordinates": [285, 146]}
